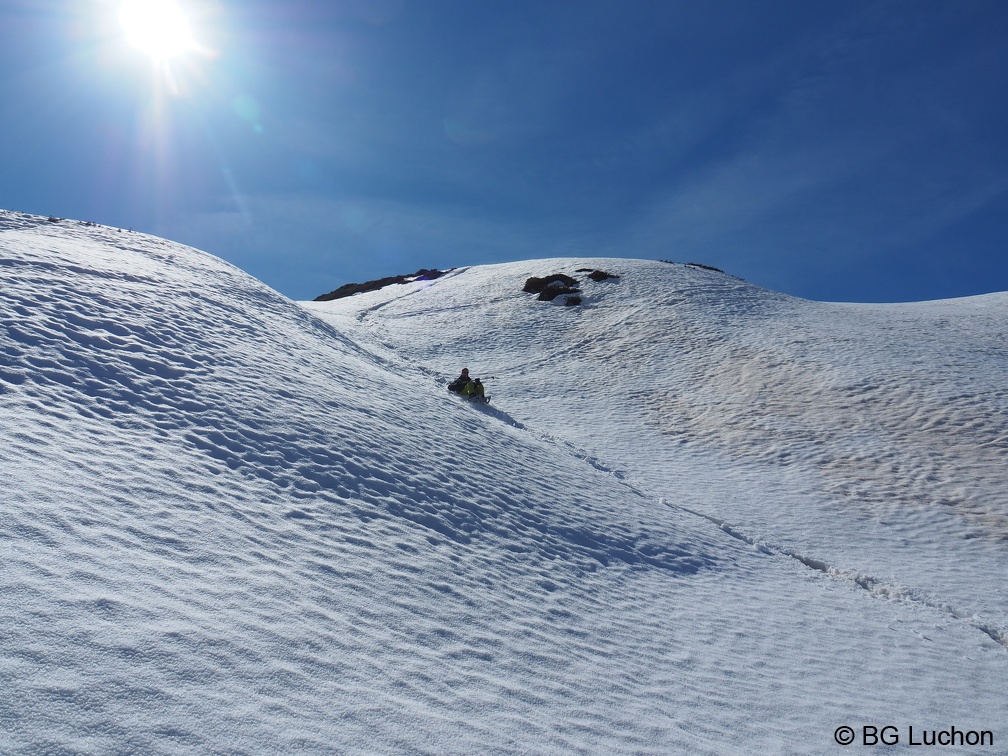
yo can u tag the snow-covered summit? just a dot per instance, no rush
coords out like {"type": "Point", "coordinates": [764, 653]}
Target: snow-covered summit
{"type": "Point", "coordinates": [234, 522]}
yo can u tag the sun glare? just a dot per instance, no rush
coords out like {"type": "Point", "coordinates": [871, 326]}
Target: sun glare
{"type": "Point", "coordinates": [156, 27]}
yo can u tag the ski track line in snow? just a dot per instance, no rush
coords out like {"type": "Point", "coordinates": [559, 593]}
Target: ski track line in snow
{"type": "Point", "coordinates": [872, 585]}
{"type": "Point", "coordinates": [387, 355]}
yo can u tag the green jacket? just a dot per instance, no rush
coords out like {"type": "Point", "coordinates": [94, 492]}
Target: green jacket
{"type": "Point", "coordinates": [473, 388]}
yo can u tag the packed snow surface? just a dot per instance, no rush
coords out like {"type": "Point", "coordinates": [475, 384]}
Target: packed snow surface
{"type": "Point", "coordinates": [697, 516]}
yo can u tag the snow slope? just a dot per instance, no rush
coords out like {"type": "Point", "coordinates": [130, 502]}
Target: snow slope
{"type": "Point", "coordinates": [235, 523]}
{"type": "Point", "coordinates": [871, 438]}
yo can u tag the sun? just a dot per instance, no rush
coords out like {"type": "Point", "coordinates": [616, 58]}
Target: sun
{"type": "Point", "coordinates": [157, 27]}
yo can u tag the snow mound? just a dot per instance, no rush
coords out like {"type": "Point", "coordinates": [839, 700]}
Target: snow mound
{"type": "Point", "coordinates": [235, 523]}
{"type": "Point", "coordinates": [210, 492]}
{"type": "Point", "coordinates": [803, 423]}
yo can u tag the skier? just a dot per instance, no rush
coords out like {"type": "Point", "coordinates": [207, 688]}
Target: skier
{"type": "Point", "coordinates": [459, 384]}
{"type": "Point", "coordinates": [468, 387]}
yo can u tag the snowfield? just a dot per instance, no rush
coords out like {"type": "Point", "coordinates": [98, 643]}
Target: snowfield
{"type": "Point", "coordinates": [697, 517]}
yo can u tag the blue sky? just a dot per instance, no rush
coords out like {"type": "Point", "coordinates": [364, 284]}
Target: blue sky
{"type": "Point", "coordinates": [850, 151]}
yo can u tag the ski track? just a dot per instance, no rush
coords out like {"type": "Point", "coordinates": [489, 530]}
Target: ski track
{"type": "Point", "coordinates": [763, 544]}
{"type": "Point", "coordinates": [872, 585]}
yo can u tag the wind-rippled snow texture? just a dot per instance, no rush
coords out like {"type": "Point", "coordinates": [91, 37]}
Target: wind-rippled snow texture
{"type": "Point", "coordinates": [867, 443]}
{"type": "Point", "coordinates": [230, 526]}
{"type": "Point", "coordinates": [225, 524]}
{"type": "Point", "coordinates": [872, 437]}
{"type": "Point", "coordinates": [718, 362]}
